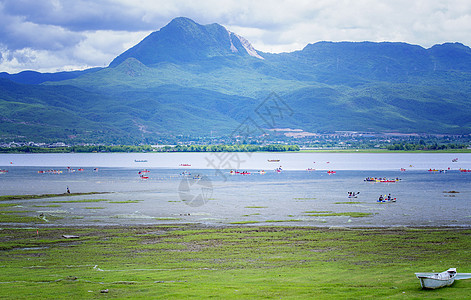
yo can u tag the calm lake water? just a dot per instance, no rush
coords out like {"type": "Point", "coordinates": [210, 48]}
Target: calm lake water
{"type": "Point", "coordinates": [211, 196]}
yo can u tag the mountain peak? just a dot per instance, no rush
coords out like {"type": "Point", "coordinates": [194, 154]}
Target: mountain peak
{"type": "Point", "coordinates": [184, 40]}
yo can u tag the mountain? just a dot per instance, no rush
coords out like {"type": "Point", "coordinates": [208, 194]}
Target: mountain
{"type": "Point", "coordinates": [191, 79]}
{"type": "Point", "coordinates": [183, 40]}
{"type": "Point", "coordinates": [33, 77]}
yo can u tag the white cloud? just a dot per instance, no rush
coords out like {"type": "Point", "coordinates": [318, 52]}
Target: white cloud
{"type": "Point", "coordinates": [58, 33]}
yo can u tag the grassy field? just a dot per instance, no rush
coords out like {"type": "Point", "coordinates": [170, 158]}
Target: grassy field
{"type": "Point", "coordinates": [190, 261]}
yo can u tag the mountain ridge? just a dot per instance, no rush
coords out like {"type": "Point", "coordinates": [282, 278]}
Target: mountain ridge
{"type": "Point", "coordinates": [197, 79]}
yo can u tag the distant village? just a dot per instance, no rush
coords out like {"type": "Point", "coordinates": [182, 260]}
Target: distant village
{"type": "Point", "coordinates": [305, 141]}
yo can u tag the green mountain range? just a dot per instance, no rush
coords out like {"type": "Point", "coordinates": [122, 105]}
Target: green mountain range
{"type": "Point", "coordinates": [197, 80]}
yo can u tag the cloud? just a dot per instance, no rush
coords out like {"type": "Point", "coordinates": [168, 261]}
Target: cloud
{"type": "Point", "coordinates": [79, 15]}
{"type": "Point", "coordinates": [93, 32]}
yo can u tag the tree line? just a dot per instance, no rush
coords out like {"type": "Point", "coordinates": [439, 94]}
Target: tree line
{"type": "Point", "coordinates": [423, 146]}
{"type": "Point", "coordinates": [148, 148]}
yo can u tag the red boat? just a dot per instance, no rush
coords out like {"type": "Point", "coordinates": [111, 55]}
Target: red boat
{"type": "Point", "coordinates": [185, 165]}
{"type": "Point", "coordinates": [331, 172]}
{"type": "Point", "coordinates": [144, 177]}
{"type": "Point", "coordinates": [465, 170]}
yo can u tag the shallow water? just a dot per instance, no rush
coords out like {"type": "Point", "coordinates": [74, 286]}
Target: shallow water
{"type": "Point", "coordinates": [218, 198]}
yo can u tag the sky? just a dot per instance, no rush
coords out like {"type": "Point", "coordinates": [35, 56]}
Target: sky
{"type": "Point", "coordinates": [64, 35]}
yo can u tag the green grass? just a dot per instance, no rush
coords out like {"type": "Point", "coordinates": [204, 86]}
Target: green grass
{"type": "Point", "coordinates": [256, 206]}
{"type": "Point", "coordinates": [14, 217]}
{"type": "Point", "coordinates": [348, 202]}
{"type": "Point", "coordinates": [168, 262]}
{"type": "Point", "coordinates": [29, 197]}
{"type": "Point", "coordinates": [94, 207]}
{"type": "Point", "coordinates": [2, 205]}
{"type": "Point", "coordinates": [334, 214]}
{"type": "Point", "coordinates": [80, 201]}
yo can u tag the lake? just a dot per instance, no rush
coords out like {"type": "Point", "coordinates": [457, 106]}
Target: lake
{"type": "Point", "coordinates": [198, 188]}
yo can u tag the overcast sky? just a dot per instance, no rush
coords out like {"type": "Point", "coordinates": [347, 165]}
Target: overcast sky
{"type": "Point", "coordinates": [57, 35]}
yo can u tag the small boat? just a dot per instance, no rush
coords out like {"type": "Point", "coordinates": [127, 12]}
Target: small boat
{"type": "Point", "coordinates": [310, 169]}
{"type": "Point", "coordinates": [403, 170]}
{"type": "Point", "coordinates": [144, 177]}
{"type": "Point", "coordinates": [331, 172]}
{"type": "Point", "coordinates": [140, 160]}
{"type": "Point", "coordinates": [273, 160]}
{"type": "Point", "coordinates": [3, 171]}
{"type": "Point", "coordinates": [386, 200]}
{"type": "Point", "coordinates": [465, 170]}
{"type": "Point", "coordinates": [185, 165]}
{"type": "Point", "coordinates": [245, 173]}
{"type": "Point", "coordinates": [80, 169]}
{"type": "Point", "coordinates": [353, 194]}
{"type": "Point", "coordinates": [437, 280]}
{"type": "Point", "coordinates": [278, 170]}
{"type": "Point", "coordinates": [454, 160]}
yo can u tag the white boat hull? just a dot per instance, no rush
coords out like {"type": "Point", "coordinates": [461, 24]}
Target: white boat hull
{"type": "Point", "coordinates": [437, 280]}
{"type": "Point", "coordinates": [430, 283]}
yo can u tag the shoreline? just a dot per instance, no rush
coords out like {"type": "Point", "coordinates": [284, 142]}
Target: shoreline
{"type": "Point", "coordinates": [370, 151]}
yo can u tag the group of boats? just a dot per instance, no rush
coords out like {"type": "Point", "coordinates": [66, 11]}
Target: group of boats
{"type": "Point", "coordinates": [50, 171]}
{"type": "Point", "coordinates": [68, 170]}
{"type": "Point", "coordinates": [383, 179]}
{"type": "Point", "coordinates": [234, 172]}
{"type": "Point", "coordinates": [438, 170]}
{"type": "Point", "coordinates": [381, 199]}
{"type": "Point", "coordinates": [3, 171]}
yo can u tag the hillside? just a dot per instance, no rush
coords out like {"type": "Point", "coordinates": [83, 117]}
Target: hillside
{"type": "Point", "coordinates": [194, 79]}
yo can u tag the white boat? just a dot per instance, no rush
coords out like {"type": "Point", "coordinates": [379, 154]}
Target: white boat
{"type": "Point", "coordinates": [437, 280]}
